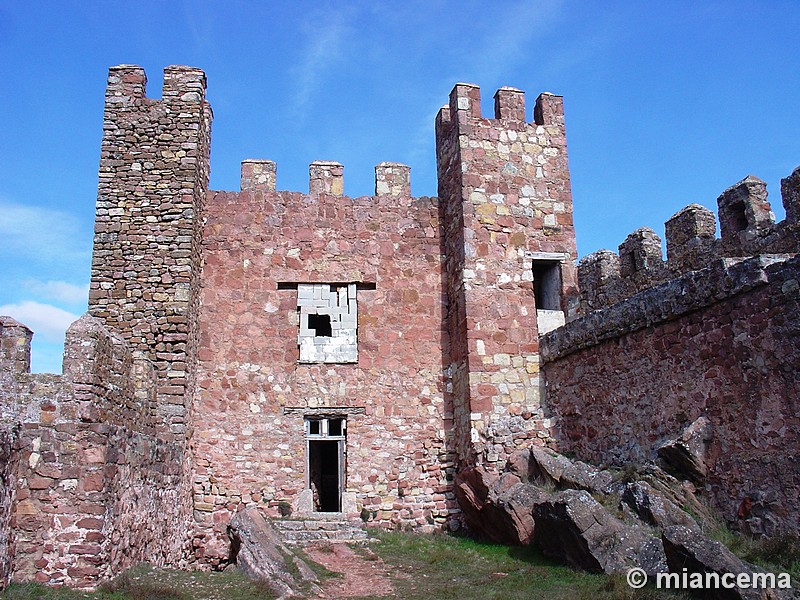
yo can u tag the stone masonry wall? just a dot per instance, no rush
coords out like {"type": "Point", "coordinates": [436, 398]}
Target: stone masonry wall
{"type": "Point", "coordinates": [96, 490]}
{"type": "Point", "coordinates": [253, 391]}
{"type": "Point", "coordinates": [505, 190]}
{"type": "Point", "coordinates": [153, 178]}
{"type": "Point", "coordinates": [720, 340]}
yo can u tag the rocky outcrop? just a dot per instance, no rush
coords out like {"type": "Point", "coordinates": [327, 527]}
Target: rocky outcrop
{"type": "Point", "coordinates": [689, 551]}
{"type": "Point", "coordinates": [540, 465]}
{"type": "Point", "coordinates": [259, 552]}
{"type": "Point", "coordinates": [575, 528]}
{"type": "Point", "coordinates": [685, 456]}
{"type": "Point", "coordinates": [594, 519]}
{"type": "Point", "coordinates": [498, 508]}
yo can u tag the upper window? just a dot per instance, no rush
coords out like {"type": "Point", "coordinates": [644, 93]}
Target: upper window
{"type": "Point", "coordinates": [328, 323]}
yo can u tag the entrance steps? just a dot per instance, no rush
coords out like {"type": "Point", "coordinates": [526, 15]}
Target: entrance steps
{"type": "Point", "coordinates": [331, 527]}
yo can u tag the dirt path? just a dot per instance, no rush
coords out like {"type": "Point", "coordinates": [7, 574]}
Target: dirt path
{"type": "Point", "coordinates": [363, 572]}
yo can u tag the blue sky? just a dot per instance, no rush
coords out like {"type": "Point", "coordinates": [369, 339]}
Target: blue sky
{"type": "Point", "coordinates": [667, 103]}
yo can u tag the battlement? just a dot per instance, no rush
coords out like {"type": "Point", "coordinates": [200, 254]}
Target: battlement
{"type": "Point", "coordinates": [747, 226]}
{"type": "Point", "coordinates": [327, 177]}
{"type": "Point", "coordinates": [509, 107]}
{"type": "Point", "coordinates": [127, 85]}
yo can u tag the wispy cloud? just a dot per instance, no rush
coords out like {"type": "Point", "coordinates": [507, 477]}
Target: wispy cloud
{"type": "Point", "coordinates": [324, 38]}
{"type": "Point", "coordinates": [58, 291]}
{"type": "Point", "coordinates": [50, 322]}
{"type": "Point", "coordinates": [40, 233]}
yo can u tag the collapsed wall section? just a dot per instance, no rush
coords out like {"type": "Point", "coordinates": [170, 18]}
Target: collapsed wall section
{"type": "Point", "coordinates": [286, 278]}
{"type": "Point", "coordinates": [94, 489]}
{"type": "Point", "coordinates": [719, 339]}
{"type": "Point", "coordinates": [509, 247]}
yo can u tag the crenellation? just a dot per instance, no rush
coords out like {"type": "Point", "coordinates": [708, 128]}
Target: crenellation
{"type": "Point", "coordinates": [127, 85]}
{"type": "Point", "coordinates": [745, 215]}
{"type": "Point", "coordinates": [392, 179]}
{"type": "Point", "coordinates": [183, 84]}
{"type": "Point", "coordinates": [549, 110]}
{"type": "Point", "coordinates": [509, 105]}
{"type": "Point", "coordinates": [258, 175]}
{"type": "Point", "coordinates": [325, 177]}
{"type": "Point", "coordinates": [640, 261]}
{"type": "Point", "coordinates": [790, 194]}
{"type": "Point", "coordinates": [691, 236]}
{"type": "Point", "coordinates": [598, 280]}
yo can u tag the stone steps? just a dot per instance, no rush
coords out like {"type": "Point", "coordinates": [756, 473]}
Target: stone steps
{"type": "Point", "coordinates": [332, 527]}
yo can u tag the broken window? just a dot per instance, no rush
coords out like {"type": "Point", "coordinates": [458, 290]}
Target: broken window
{"type": "Point", "coordinates": [328, 323]}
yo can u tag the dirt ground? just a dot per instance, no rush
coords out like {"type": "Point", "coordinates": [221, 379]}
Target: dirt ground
{"type": "Point", "coordinates": [363, 573]}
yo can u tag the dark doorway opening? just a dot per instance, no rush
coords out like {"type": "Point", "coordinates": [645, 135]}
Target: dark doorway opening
{"type": "Point", "coordinates": [324, 471]}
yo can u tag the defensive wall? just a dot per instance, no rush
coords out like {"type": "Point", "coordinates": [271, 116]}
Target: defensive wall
{"type": "Point", "coordinates": [713, 331]}
{"type": "Point", "coordinates": [92, 487]}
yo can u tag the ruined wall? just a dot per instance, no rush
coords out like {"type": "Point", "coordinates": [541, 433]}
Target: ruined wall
{"type": "Point", "coordinates": [96, 489]}
{"type": "Point", "coordinates": [153, 178]}
{"type": "Point", "coordinates": [507, 206]}
{"type": "Point", "coordinates": [720, 339]}
{"type": "Point", "coordinates": [253, 391]}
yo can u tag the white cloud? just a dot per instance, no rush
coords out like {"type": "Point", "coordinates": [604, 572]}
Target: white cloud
{"type": "Point", "coordinates": [59, 291]}
{"type": "Point", "coordinates": [324, 38]}
{"type": "Point", "coordinates": [50, 322]}
{"type": "Point", "coordinates": [41, 232]}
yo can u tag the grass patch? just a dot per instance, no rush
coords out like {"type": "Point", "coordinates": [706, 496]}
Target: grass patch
{"type": "Point", "coordinates": [778, 554]}
{"type": "Point", "coordinates": [451, 567]}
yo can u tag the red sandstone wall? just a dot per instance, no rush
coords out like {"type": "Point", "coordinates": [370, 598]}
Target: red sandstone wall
{"type": "Point", "coordinates": [734, 357]}
{"type": "Point", "coordinates": [246, 450]}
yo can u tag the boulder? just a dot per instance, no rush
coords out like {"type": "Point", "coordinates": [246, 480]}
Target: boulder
{"type": "Point", "coordinates": [654, 509]}
{"type": "Point", "coordinates": [260, 554]}
{"type": "Point", "coordinates": [689, 551]}
{"type": "Point", "coordinates": [497, 508]}
{"type": "Point", "coordinates": [544, 466]}
{"type": "Point", "coordinates": [685, 456]}
{"type": "Point", "coordinates": [575, 528]}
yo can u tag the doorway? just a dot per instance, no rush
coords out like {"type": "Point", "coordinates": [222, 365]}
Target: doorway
{"type": "Point", "coordinates": [326, 462]}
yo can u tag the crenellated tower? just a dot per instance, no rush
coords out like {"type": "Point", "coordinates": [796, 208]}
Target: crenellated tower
{"type": "Point", "coordinates": [154, 168]}
{"type": "Point", "coordinates": [509, 247]}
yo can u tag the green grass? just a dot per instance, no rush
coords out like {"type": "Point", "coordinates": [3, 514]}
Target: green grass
{"type": "Point", "coordinates": [144, 582]}
{"type": "Point", "coordinates": [450, 567]}
{"type": "Point", "coordinates": [779, 554]}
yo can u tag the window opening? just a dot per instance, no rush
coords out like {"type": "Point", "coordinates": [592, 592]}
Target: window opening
{"type": "Point", "coordinates": [547, 284]}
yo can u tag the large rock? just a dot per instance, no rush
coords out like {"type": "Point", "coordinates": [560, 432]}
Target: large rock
{"type": "Point", "coordinates": [498, 508]}
{"type": "Point", "coordinates": [653, 508]}
{"type": "Point", "coordinates": [685, 456]}
{"type": "Point", "coordinates": [261, 555]}
{"type": "Point", "coordinates": [544, 466]}
{"type": "Point", "coordinates": [575, 528]}
{"type": "Point", "coordinates": [689, 551]}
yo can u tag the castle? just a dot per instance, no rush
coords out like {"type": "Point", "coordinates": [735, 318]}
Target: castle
{"type": "Point", "coordinates": [319, 353]}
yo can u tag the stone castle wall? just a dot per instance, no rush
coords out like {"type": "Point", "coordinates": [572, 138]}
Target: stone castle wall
{"type": "Point", "coordinates": [90, 464]}
{"type": "Point", "coordinates": [253, 392]}
{"type": "Point", "coordinates": [720, 341]}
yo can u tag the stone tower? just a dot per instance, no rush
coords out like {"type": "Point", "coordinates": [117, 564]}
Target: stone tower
{"type": "Point", "coordinates": [154, 168]}
{"type": "Point", "coordinates": [509, 247]}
